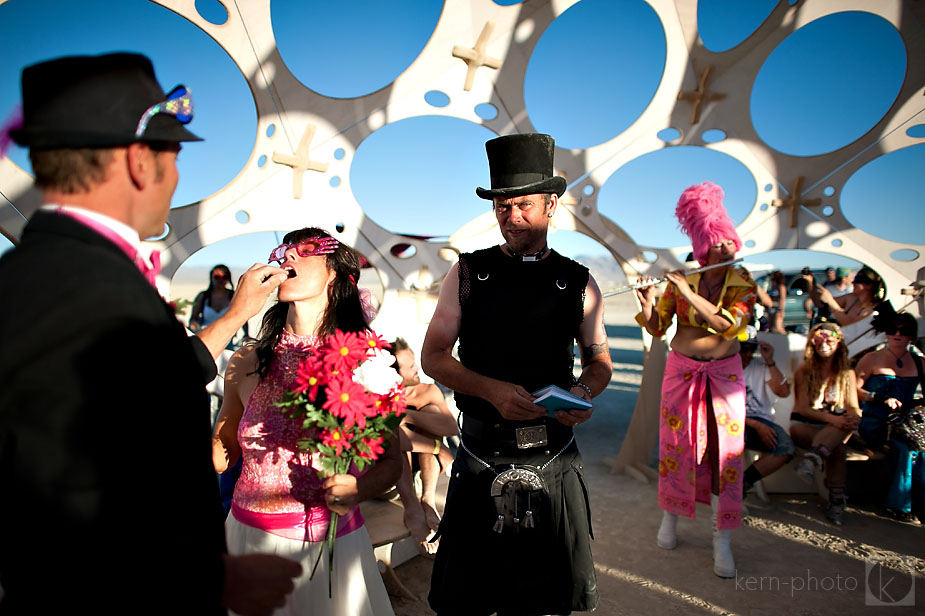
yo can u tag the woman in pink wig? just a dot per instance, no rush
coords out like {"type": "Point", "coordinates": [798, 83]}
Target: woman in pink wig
{"type": "Point", "coordinates": [702, 410]}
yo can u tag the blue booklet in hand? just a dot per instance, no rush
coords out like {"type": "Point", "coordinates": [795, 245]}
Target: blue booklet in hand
{"type": "Point", "coordinates": [554, 399]}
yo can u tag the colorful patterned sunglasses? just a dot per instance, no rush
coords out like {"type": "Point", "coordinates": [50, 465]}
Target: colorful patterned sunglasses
{"type": "Point", "coordinates": [825, 335]}
{"type": "Point", "coordinates": [179, 104]}
{"type": "Point", "coordinates": [307, 248]}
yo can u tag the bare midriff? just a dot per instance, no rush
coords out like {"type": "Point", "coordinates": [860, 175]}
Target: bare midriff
{"type": "Point", "coordinates": [698, 343]}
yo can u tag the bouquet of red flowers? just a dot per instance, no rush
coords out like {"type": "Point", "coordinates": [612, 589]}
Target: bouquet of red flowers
{"type": "Point", "coordinates": [350, 400]}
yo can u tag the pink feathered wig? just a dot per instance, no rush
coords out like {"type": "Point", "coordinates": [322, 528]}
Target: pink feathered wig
{"type": "Point", "coordinates": [703, 218]}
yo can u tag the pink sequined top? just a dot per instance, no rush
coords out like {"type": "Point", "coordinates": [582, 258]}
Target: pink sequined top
{"type": "Point", "coordinates": [275, 476]}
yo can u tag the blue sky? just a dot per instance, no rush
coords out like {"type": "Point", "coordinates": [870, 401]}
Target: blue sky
{"type": "Point", "coordinates": [418, 176]}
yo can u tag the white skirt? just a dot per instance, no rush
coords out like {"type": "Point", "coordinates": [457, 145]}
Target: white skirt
{"type": "Point", "coordinates": [357, 588]}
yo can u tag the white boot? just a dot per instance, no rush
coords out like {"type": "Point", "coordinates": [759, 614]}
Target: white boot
{"type": "Point", "coordinates": [667, 537]}
{"type": "Point", "coordinates": [723, 565]}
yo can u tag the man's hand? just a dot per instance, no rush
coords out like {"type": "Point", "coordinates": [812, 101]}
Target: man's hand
{"type": "Point", "coordinates": [846, 423]}
{"type": "Point", "coordinates": [254, 287]}
{"type": "Point", "coordinates": [766, 433]}
{"type": "Point", "coordinates": [573, 417]}
{"type": "Point", "coordinates": [256, 584]}
{"type": "Point", "coordinates": [514, 402]}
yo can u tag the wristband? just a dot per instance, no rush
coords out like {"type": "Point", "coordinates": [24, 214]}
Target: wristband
{"type": "Point", "coordinates": [437, 445]}
{"type": "Point", "coordinates": [583, 386]}
{"type": "Point", "coordinates": [772, 365]}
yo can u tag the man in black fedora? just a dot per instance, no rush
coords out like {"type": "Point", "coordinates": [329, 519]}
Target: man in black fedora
{"type": "Point", "coordinates": [97, 377]}
{"type": "Point", "coordinates": [515, 534]}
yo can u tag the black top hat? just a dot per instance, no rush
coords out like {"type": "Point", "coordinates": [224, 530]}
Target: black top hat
{"type": "Point", "coordinates": [93, 101]}
{"type": "Point", "coordinates": [521, 165]}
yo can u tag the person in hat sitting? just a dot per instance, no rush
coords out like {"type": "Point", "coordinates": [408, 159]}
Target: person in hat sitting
{"type": "Point", "coordinates": [514, 538]}
{"type": "Point", "coordinates": [78, 532]}
{"type": "Point", "coordinates": [763, 381]}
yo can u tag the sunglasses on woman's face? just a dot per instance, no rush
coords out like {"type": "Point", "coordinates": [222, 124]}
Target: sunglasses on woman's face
{"type": "Point", "coordinates": [313, 247]}
{"type": "Point", "coordinates": [219, 275]}
{"type": "Point", "coordinates": [823, 336]}
{"type": "Point", "coordinates": [902, 331]}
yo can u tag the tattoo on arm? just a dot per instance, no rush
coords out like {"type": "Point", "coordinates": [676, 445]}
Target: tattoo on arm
{"type": "Point", "coordinates": [591, 350]}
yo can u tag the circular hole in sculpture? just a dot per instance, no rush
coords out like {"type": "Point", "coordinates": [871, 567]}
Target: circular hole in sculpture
{"type": "Point", "coordinates": [649, 256]}
{"type": "Point", "coordinates": [846, 55]}
{"type": "Point", "coordinates": [162, 235]}
{"type": "Point", "coordinates": [916, 132]}
{"type": "Point", "coordinates": [828, 191]}
{"type": "Point", "coordinates": [334, 181]}
{"type": "Point", "coordinates": [262, 160]}
{"type": "Point", "coordinates": [624, 41]}
{"type": "Point", "coordinates": [669, 135]}
{"type": "Point", "coordinates": [904, 255]}
{"type": "Point", "coordinates": [723, 24]}
{"type": "Point", "coordinates": [768, 187]}
{"type": "Point", "coordinates": [714, 135]}
{"type": "Point", "coordinates": [242, 217]}
{"type": "Point", "coordinates": [486, 111]}
{"type": "Point", "coordinates": [271, 130]}
{"type": "Point", "coordinates": [339, 153]}
{"type": "Point", "coordinates": [436, 98]}
{"type": "Point", "coordinates": [837, 243]}
{"type": "Point", "coordinates": [749, 243]}
{"type": "Point", "coordinates": [588, 190]}
{"type": "Point", "coordinates": [212, 11]}
{"type": "Point", "coordinates": [403, 250]}
{"type": "Point", "coordinates": [763, 207]}
{"type": "Point", "coordinates": [828, 210]}
{"type": "Point", "coordinates": [450, 255]}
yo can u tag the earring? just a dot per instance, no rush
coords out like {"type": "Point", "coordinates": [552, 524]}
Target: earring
{"type": "Point", "coordinates": [549, 215]}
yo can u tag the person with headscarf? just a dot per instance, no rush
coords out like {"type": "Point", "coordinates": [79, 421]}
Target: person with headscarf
{"type": "Point", "coordinates": [702, 409]}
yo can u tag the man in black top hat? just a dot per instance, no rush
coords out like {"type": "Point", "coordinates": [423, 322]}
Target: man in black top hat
{"type": "Point", "coordinates": [515, 534]}
{"type": "Point", "coordinates": [98, 378]}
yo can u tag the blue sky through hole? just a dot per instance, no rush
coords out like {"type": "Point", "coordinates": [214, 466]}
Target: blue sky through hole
{"type": "Point", "coordinates": [584, 85]}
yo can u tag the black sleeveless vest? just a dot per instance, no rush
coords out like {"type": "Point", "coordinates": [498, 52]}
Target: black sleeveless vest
{"type": "Point", "coordinates": [519, 321]}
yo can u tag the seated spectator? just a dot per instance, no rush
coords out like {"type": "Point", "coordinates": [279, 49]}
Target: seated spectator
{"type": "Point", "coordinates": [426, 422]}
{"type": "Point", "coordinates": [763, 378]}
{"type": "Point", "coordinates": [825, 412]}
{"type": "Point", "coordinates": [887, 380]}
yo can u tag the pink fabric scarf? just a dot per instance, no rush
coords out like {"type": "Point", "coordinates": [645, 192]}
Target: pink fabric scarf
{"type": "Point", "coordinates": [685, 476]}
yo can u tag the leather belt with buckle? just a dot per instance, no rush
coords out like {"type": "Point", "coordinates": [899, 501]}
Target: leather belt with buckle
{"type": "Point", "coordinates": [530, 436]}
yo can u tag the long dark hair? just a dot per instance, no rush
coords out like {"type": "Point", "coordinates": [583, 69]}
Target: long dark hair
{"type": "Point", "coordinates": [343, 310]}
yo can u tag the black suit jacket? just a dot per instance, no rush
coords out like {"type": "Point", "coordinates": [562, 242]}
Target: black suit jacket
{"type": "Point", "coordinates": [108, 498]}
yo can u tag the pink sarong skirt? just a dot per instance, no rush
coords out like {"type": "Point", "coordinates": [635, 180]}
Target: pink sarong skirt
{"type": "Point", "coordinates": [685, 476]}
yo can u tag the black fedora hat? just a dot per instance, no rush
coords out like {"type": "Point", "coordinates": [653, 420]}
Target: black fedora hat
{"type": "Point", "coordinates": [521, 165]}
{"type": "Point", "coordinates": [95, 101]}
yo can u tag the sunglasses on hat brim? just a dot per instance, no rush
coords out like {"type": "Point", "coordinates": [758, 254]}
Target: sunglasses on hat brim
{"type": "Point", "coordinates": [179, 104]}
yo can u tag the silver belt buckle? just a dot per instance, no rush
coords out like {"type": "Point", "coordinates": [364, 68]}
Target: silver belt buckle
{"type": "Point", "coordinates": [531, 436]}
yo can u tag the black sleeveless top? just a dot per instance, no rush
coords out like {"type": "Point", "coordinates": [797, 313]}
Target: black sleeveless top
{"type": "Point", "coordinates": [519, 321]}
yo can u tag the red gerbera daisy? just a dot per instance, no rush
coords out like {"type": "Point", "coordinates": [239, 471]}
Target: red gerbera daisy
{"type": "Point", "coordinates": [375, 341]}
{"type": "Point", "coordinates": [343, 351]}
{"type": "Point", "coordinates": [348, 400]}
{"type": "Point", "coordinates": [374, 445]}
{"type": "Point", "coordinates": [310, 376]}
{"type": "Point", "coordinates": [336, 439]}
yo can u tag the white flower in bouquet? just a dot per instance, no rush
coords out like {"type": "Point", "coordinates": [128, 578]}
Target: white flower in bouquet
{"type": "Point", "coordinates": [376, 373]}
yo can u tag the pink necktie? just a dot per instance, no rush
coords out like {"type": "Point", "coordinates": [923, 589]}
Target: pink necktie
{"type": "Point", "coordinates": [148, 271]}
